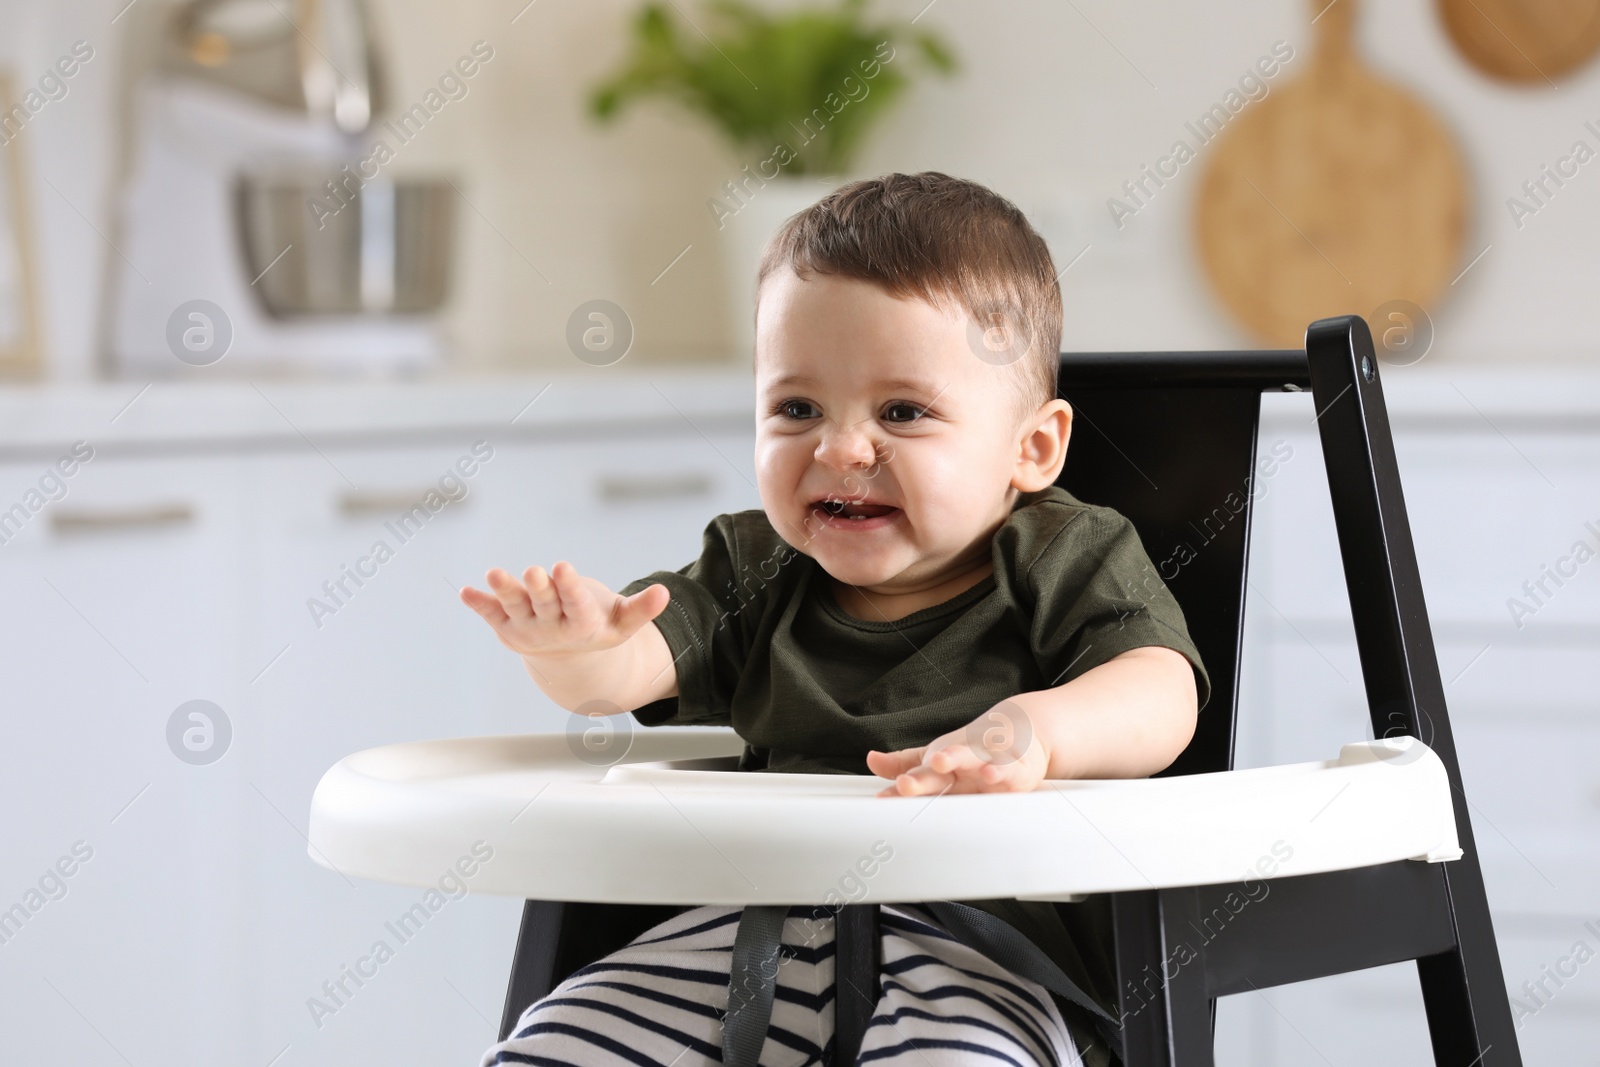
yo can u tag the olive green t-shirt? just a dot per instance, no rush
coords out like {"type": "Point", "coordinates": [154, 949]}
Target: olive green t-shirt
{"type": "Point", "coordinates": [761, 645]}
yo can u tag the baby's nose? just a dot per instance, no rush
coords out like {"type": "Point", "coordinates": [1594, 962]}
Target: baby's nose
{"type": "Point", "coordinates": [850, 446]}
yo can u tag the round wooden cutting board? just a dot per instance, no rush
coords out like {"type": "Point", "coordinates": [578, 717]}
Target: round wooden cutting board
{"type": "Point", "coordinates": [1524, 40]}
{"type": "Point", "coordinates": [1332, 195]}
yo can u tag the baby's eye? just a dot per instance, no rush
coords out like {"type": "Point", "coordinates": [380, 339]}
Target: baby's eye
{"type": "Point", "coordinates": [903, 408]}
{"type": "Point", "coordinates": [793, 409]}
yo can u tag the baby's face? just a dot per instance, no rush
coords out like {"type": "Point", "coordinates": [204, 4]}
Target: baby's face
{"type": "Point", "coordinates": [881, 405]}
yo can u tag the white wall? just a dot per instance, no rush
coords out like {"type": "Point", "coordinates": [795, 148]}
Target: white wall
{"type": "Point", "coordinates": [1056, 107]}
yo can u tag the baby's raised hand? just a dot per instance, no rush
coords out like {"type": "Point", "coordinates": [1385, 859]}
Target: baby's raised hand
{"type": "Point", "coordinates": [545, 614]}
{"type": "Point", "coordinates": [996, 753]}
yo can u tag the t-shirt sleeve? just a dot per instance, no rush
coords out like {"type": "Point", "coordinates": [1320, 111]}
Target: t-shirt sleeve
{"type": "Point", "coordinates": [705, 630]}
{"type": "Point", "coordinates": [1097, 595]}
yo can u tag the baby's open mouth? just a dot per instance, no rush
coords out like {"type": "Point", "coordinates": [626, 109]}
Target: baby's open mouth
{"type": "Point", "coordinates": [847, 509]}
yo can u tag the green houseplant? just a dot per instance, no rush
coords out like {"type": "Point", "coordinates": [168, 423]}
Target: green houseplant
{"type": "Point", "coordinates": [799, 87]}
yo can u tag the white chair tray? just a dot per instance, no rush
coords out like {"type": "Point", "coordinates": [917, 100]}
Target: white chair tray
{"type": "Point", "coordinates": [673, 823]}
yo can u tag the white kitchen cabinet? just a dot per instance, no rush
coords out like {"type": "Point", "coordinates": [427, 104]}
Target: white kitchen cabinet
{"type": "Point", "coordinates": [403, 659]}
{"type": "Point", "coordinates": [124, 600]}
{"type": "Point", "coordinates": [393, 661]}
{"type": "Point", "coordinates": [199, 930]}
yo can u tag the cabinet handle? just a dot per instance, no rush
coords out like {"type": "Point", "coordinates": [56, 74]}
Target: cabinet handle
{"type": "Point", "coordinates": [357, 504]}
{"type": "Point", "coordinates": [630, 487]}
{"type": "Point", "coordinates": [66, 522]}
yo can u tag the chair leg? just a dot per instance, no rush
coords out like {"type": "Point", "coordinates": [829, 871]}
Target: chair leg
{"type": "Point", "coordinates": [533, 962]}
{"type": "Point", "coordinates": [1464, 1027]}
{"type": "Point", "coordinates": [557, 938]}
{"type": "Point", "coordinates": [1463, 989]}
{"type": "Point", "coordinates": [1469, 1015]}
{"type": "Point", "coordinates": [1191, 1014]}
{"type": "Point", "coordinates": [1141, 997]}
{"type": "Point", "coordinates": [1166, 1017]}
{"type": "Point", "coordinates": [855, 969]}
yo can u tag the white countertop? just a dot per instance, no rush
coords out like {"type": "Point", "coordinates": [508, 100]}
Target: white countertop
{"type": "Point", "coordinates": [1436, 397]}
{"type": "Point", "coordinates": [134, 417]}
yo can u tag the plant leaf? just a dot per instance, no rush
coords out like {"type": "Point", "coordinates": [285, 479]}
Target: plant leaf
{"type": "Point", "coordinates": [798, 78]}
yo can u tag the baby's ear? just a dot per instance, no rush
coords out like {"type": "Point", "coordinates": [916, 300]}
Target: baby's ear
{"type": "Point", "coordinates": [1042, 451]}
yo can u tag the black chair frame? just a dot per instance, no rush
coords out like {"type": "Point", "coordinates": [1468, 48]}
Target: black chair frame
{"type": "Point", "coordinates": [1169, 439]}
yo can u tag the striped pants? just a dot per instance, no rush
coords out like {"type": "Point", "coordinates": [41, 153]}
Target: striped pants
{"type": "Point", "coordinates": [660, 1001]}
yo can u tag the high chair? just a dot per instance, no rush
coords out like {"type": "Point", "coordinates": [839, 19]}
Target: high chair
{"type": "Point", "coordinates": [1383, 865]}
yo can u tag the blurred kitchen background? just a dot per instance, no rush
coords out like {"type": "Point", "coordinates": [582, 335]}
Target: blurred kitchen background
{"type": "Point", "coordinates": [272, 270]}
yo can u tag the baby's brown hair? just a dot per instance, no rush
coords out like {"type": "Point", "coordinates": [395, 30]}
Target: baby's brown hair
{"type": "Point", "coordinates": [936, 237]}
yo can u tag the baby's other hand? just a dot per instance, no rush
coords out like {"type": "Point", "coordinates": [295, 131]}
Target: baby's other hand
{"type": "Point", "coordinates": [561, 612]}
{"type": "Point", "coordinates": [996, 753]}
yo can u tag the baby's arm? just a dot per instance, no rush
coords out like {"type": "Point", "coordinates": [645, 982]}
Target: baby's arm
{"type": "Point", "coordinates": [1127, 718]}
{"type": "Point", "coordinates": [579, 640]}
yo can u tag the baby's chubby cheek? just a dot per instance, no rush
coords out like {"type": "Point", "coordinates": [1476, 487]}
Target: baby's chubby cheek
{"type": "Point", "coordinates": [956, 487]}
{"type": "Point", "coordinates": [778, 484]}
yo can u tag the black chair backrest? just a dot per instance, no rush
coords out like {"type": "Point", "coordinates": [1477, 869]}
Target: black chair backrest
{"type": "Point", "coordinates": [1169, 440]}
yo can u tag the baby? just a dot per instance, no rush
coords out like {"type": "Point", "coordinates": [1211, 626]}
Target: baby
{"type": "Point", "coordinates": [916, 599]}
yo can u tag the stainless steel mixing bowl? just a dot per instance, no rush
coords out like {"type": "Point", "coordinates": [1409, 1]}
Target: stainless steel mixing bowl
{"type": "Point", "coordinates": [379, 247]}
